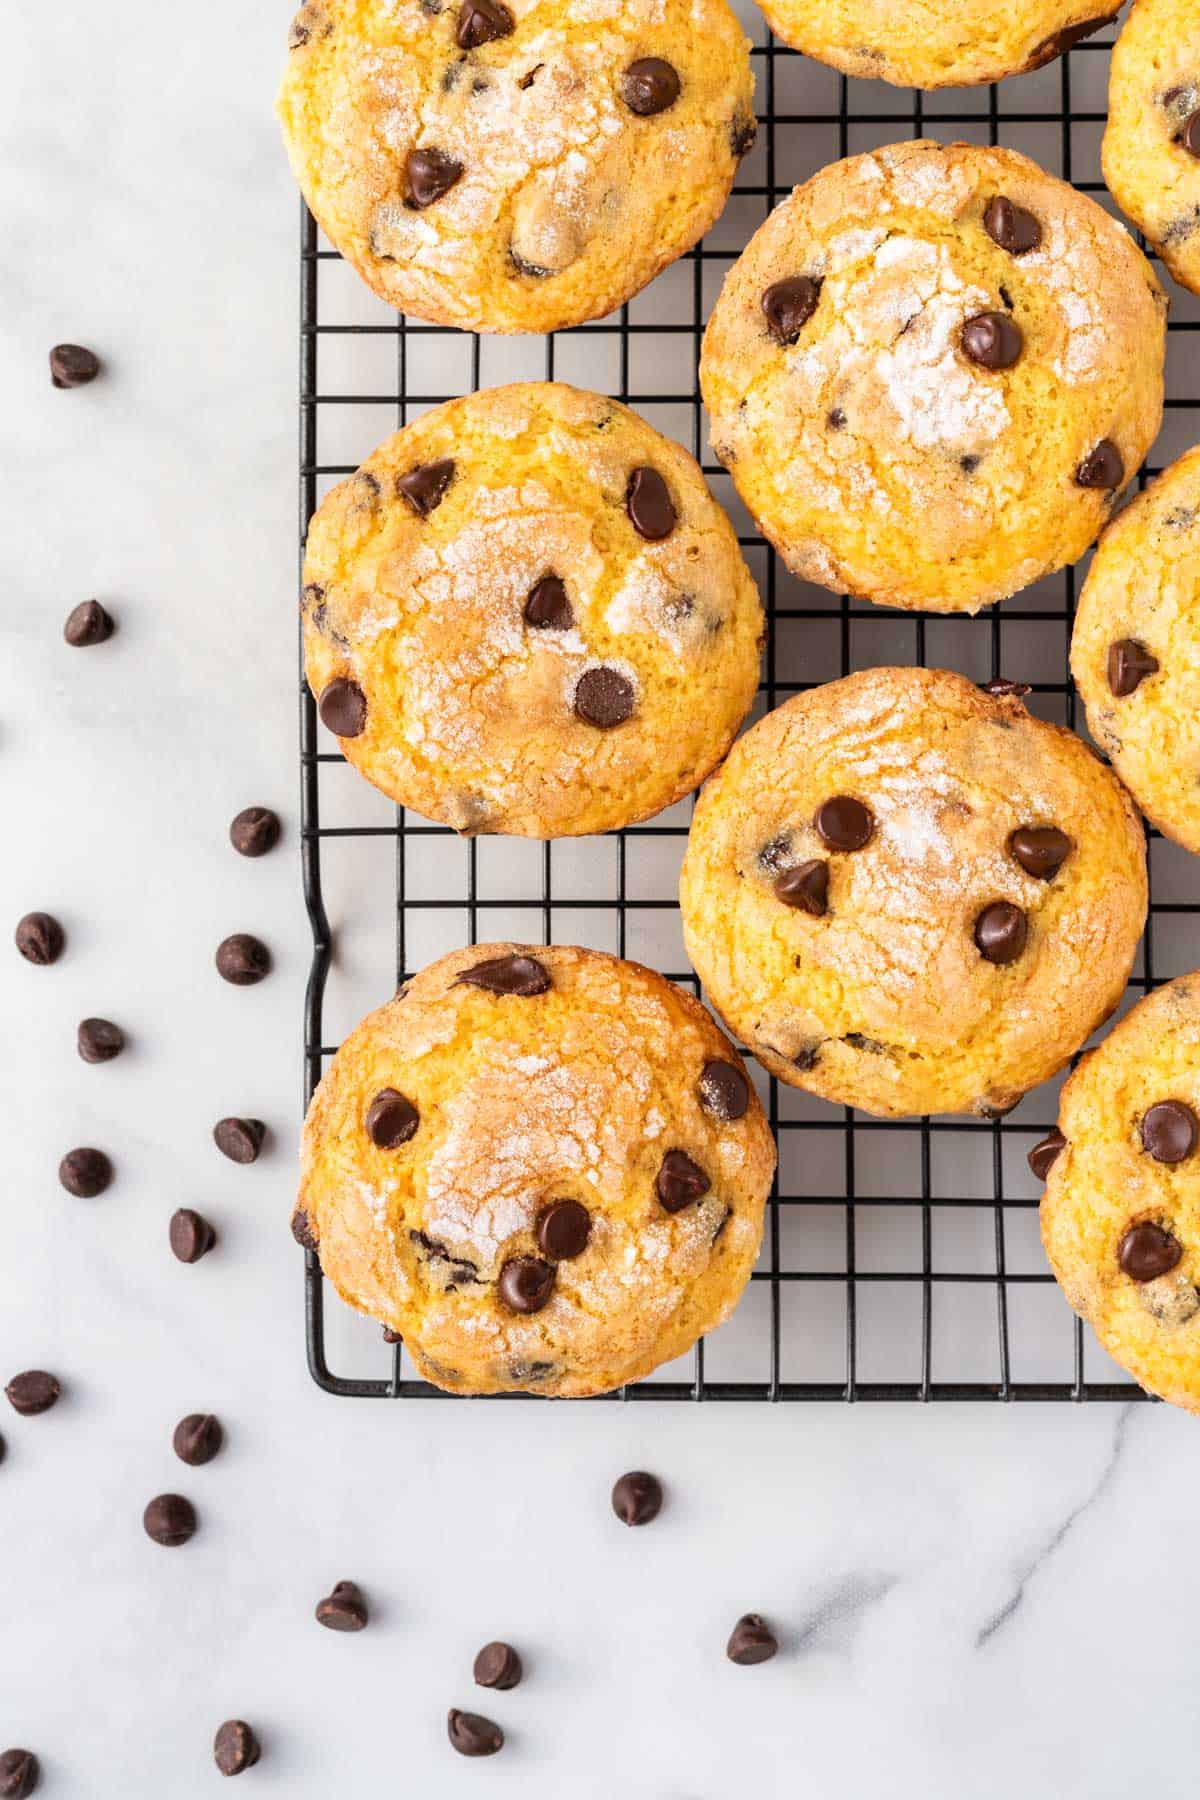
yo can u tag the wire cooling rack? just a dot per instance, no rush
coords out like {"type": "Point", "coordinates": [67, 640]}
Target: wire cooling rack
{"type": "Point", "coordinates": [901, 1259]}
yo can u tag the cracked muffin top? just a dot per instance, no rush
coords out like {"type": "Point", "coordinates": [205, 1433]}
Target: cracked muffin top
{"type": "Point", "coordinates": [932, 371]}
{"type": "Point", "coordinates": [1121, 1211]}
{"type": "Point", "coordinates": [1151, 147]}
{"type": "Point", "coordinates": [526, 613]}
{"type": "Point", "coordinates": [904, 893]}
{"type": "Point", "coordinates": [515, 165]}
{"type": "Point", "coordinates": [1135, 651]}
{"type": "Point", "coordinates": [544, 1168]}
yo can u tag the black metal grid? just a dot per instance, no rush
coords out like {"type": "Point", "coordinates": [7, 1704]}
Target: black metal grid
{"type": "Point", "coordinates": [914, 1359]}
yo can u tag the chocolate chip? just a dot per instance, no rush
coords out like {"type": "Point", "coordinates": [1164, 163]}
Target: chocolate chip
{"type": "Point", "coordinates": [723, 1091]}
{"type": "Point", "coordinates": [85, 1172]}
{"type": "Point", "coordinates": [1170, 1131]}
{"type": "Point", "coordinates": [526, 1283]}
{"type": "Point", "coordinates": [1004, 690]}
{"type": "Point", "coordinates": [789, 305]}
{"type": "Point", "coordinates": [1010, 226]}
{"type": "Point", "coordinates": [1045, 1154]}
{"type": "Point", "coordinates": [637, 1497]}
{"type": "Point", "coordinates": [1064, 40]}
{"type": "Point", "coordinates": [344, 1609]}
{"type": "Point", "coordinates": [235, 1747]}
{"type": "Point", "coordinates": [431, 173]}
{"type": "Point", "coordinates": [197, 1439]}
{"type": "Point", "coordinates": [836, 420]}
{"type": "Point", "coordinates": [524, 976]}
{"type": "Point", "coordinates": [649, 505]}
{"type": "Point", "coordinates": [481, 22]}
{"type": "Point", "coordinates": [563, 1230]}
{"type": "Point", "coordinates": [99, 1040]}
{"type": "Point", "coordinates": [392, 1119]}
{"type": "Point", "coordinates": [1147, 1251]}
{"type": "Point", "coordinates": [239, 1139]}
{"type": "Point", "coordinates": [992, 340]}
{"type": "Point", "coordinates": [805, 887]}
{"type": "Point", "coordinates": [425, 487]}
{"type": "Point", "coordinates": [72, 366]}
{"type": "Point", "coordinates": [191, 1235]}
{"type": "Point", "coordinates": [751, 1641]}
{"type": "Point", "coordinates": [88, 623]}
{"type": "Point", "coordinates": [498, 1666]}
{"type": "Point", "coordinates": [1189, 137]}
{"type": "Point", "coordinates": [392, 1337]}
{"type": "Point", "coordinates": [242, 959]}
{"type": "Point", "coordinates": [844, 823]}
{"type": "Point", "coordinates": [19, 1774]}
{"type": "Point", "coordinates": [742, 135]}
{"type": "Point", "coordinates": [527, 80]}
{"type": "Point", "coordinates": [680, 1181]}
{"type": "Point", "coordinates": [547, 607]}
{"type": "Point", "coordinates": [33, 1392]}
{"type": "Point", "coordinates": [968, 464]}
{"type": "Point", "coordinates": [649, 86]}
{"type": "Point", "coordinates": [170, 1520]}
{"type": "Point", "coordinates": [302, 1230]}
{"type": "Point", "coordinates": [39, 938]}
{"type": "Point", "coordinates": [1001, 931]}
{"type": "Point", "coordinates": [473, 1735]}
{"type": "Point", "coordinates": [1103, 467]}
{"type": "Point", "coordinates": [1129, 663]}
{"type": "Point", "coordinates": [254, 831]}
{"type": "Point", "coordinates": [604, 697]}
{"type": "Point", "coordinates": [343, 707]}
{"type": "Point", "coordinates": [1041, 850]}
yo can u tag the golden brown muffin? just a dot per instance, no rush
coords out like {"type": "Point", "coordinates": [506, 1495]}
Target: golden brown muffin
{"type": "Point", "coordinates": [1151, 148]}
{"type": "Point", "coordinates": [515, 165]}
{"type": "Point", "coordinates": [931, 372]}
{"type": "Point", "coordinates": [1121, 1211]}
{"type": "Point", "coordinates": [545, 1168]}
{"type": "Point", "coordinates": [906, 894]}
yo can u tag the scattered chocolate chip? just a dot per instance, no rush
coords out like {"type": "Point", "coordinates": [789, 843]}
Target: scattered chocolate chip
{"type": "Point", "coordinates": [425, 487]}
{"type": "Point", "coordinates": [463, 1271]}
{"type": "Point", "coordinates": [343, 707]}
{"type": "Point", "coordinates": [1001, 931]}
{"type": "Point", "coordinates": [235, 1747]}
{"type": "Point", "coordinates": [254, 831]}
{"type": "Point", "coordinates": [1045, 1154]}
{"type": "Point", "coordinates": [431, 173]}
{"type": "Point", "coordinates": [526, 1283]}
{"type": "Point", "coordinates": [392, 1337]}
{"type": "Point", "coordinates": [498, 1666]}
{"type": "Point", "coordinates": [1147, 1251]}
{"type": "Point", "coordinates": [751, 1641]}
{"type": "Point", "coordinates": [191, 1235]}
{"type": "Point", "coordinates": [1129, 663]}
{"type": "Point", "coordinates": [1010, 226]}
{"type": "Point", "coordinates": [968, 464]}
{"type": "Point", "coordinates": [344, 1609]}
{"type": "Point", "coordinates": [992, 340]}
{"type": "Point", "coordinates": [239, 1139]}
{"type": "Point", "coordinates": [33, 1392]}
{"type": "Point", "coordinates": [99, 1040]}
{"type": "Point", "coordinates": [39, 938]}
{"type": "Point", "coordinates": [85, 1172]}
{"type": "Point", "coordinates": [392, 1119]}
{"type": "Point", "coordinates": [524, 976]}
{"type": "Point", "coordinates": [72, 366]}
{"type": "Point", "coordinates": [637, 1497]}
{"type": "Point", "coordinates": [1064, 40]}
{"type": "Point", "coordinates": [1006, 690]}
{"type": "Point", "coordinates": [649, 505]}
{"type": "Point", "coordinates": [788, 306]}
{"type": "Point", "coordinates": [649, 86]}
{"type": "Point", "coordinates": [547, 607]}
{"type": "Point", "coordinates": [1189, 137]}
{"type": "Point", "coordinates": [19, 1774]}
{"type": "Point", "coordinates": [1041, 850]}
{"type": "Point", "coordinates": [805, 887]}
{"type": "Point", "coordinates": [170, 1520]}
{"type": "Point", "coordinates": [742, 135]}
{"type": "Point", "coordinates": [805, 1058]}
{"type": "Point", "coordinates": [1103, 467]}
{"type": "Point", "coordinates": [723, 1091]}
{"type": "Point", "coordinates": [563, 1229]}
{"type": "Point", "coordinates": [302, 1230]}
{"type": "Point", "coordinates": [1170, 1131]}
{"type": "Point", "coordinates": [527, 80]}
{"type": "Point", "coordinates": [844, 823]}
{"type": "Point", "coordinates": [680, 1181]}
{"type": "Point", "coordinates": [88, 623]}
{"type": "Point", "coordinates": [604, 697]}
{"type": "Point", "coordinates": [197, 1439]}
{"type": "Point", "coordinates": [473, 1735]}
{"type": "Point", "coordinates": [242, 959]}
{"type": "Point", "coordinates": [481, 22]}
{"type": "Point", "coordinates": [836, 420]}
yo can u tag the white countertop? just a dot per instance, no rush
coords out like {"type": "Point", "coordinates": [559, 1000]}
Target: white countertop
{"type": "Point", "coordinates": [973, 1600]}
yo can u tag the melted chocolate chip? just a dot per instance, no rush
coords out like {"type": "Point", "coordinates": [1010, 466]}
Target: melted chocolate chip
{"type": "Point", "coordinates": [968, 464]}
{"type": "Point", "coordinates": [473, 1735]}
{"type": "Point", "coordinates": [1129, 663]}
{"type": "Point", "coordinates": [39, 937]}
{"type": "Point", "coordinates": [463, 1272]}
{"type": "Point", "coordinates": [1045, 1154]}
{"type": "Point", "coordinates": [1147, 1251]}
{"type": "Point", "coordinates": [1189, 137]}
{"type": "Point", "coordinates": [517, 974]}
{"type": "Point", "coordinates": [805, 887]}
{"type": "Point", "coordinates": [992, 340]}
{"type": "Point", "coordinates": [742, 135]}
{"type": "Point", "coordinates": [481, 22]}
{"type": "Point", "coordinates": [343, 708]}
{"type": "Point", "coordinates": [548, 608]}
{"type": "Point", "coordinates": [33, 1392]}
{"type": "Point", "coordinates": [604, 697]}
{"type": "Point", "coordinates": [190, 1234]}
{"type": "Point", "coordinates": [751, 1641]}
{"type": "Point", "coordinates": [392, 1119]}
{"type": "Point", "coordinates": [526, 1283]}
{"type": "Point", "coordinates": [235, 1747]}
{"type": "Point", "coordinates": [72, 366]}
{"type": "Point", "coordinates": [723, 1091]}
{"type": "Point", "coordinates": [88, 623]}
{"type": "Point", "coordinates": [170, 1520]}
{"type": "Point", "coordinates": [254, 831]}
{"type": "Point", "coordinates": [1103, 467]}
{"type": "Point", "coordinates": [649, 505]}
{"type": "Point", "coordinates": [302, 1230]}
{"type": "Point", "coordinates": [425, 486]}
{"type": "Point", "coordinates": [85, 1173]}
{"type": "Point", "coordinates": [1065, 40]}
{"type": "Point", "coordinates": [649, 86]}
{"type": "Point", "coordinates": [344, 1609]}
{"type": "Point", "coordinates": [789, 305]}
{"type": "Point", "coordinates": [1041, 850]}
{"type": "Point", "coordinates": [1170, 1131]}
{"type": "Point", "coordinates": [431, 173]}
{"type": "Point", "coordinates": [844, 823]}
{"type": "Point", "coordinates": [197, 1439]}
{"type": "Point", "coordinates": [680, 1181]}
{"type": "Point", "coordinates": [836, 420]}
{"type": "Point", "coordinates": [242, 959]}
{"type": "Point", "coordinates": [99, 1040]}
{"type": "Point", "coordinates": [20, 1773]}
{"type": "Point", "coordinates": [1003, 689]}
{"type": "Point", "coordinates": [1001, 932]}
{"type": "Point", "coordinates": [497, 1666]}
{"type": "Point", "coordinates": [563, 1230]}
{"type": "Point", "coordinates": [1010, 226]}
{"type": "Point", "coordinates": [637, 1497]}
{"type": "Point", "coordinates": [239, 1139]}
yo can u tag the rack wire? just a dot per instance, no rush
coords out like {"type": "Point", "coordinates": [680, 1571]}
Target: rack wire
{"type": "Point", "coordinates": [900, 1259]}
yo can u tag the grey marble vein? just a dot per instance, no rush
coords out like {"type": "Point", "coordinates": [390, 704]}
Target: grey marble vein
{"type": "Point", "coordinates": [833, 1624]}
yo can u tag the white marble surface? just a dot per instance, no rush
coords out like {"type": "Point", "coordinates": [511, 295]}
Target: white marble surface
{"type": "Point", "coordinates": [981, 1601]}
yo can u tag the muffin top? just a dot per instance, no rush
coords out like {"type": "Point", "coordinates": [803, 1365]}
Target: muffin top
{"type": "Point", "coordinates": [1151, 147]}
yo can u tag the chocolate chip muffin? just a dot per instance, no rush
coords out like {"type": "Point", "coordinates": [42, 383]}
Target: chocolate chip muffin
{"type": "Point", "coordinates": [906, 894]}
{"type": "Point", "coordinates": [544, 1168]}
{"type": "Point", "coordinates": [1152, 142]}
{"type": "Point", "coordinates": [936, 43]}
{"type": "Point", "coordinates": [1135, 653]}
{"type": "Point", "coordinates": [932, 371]}
{"type": "Point", "coordinates": [1121, 1211]}
{"type": "Point", "coordinates": [526, 613]}
{"type": "Point", "coordinates": [505, 166]}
